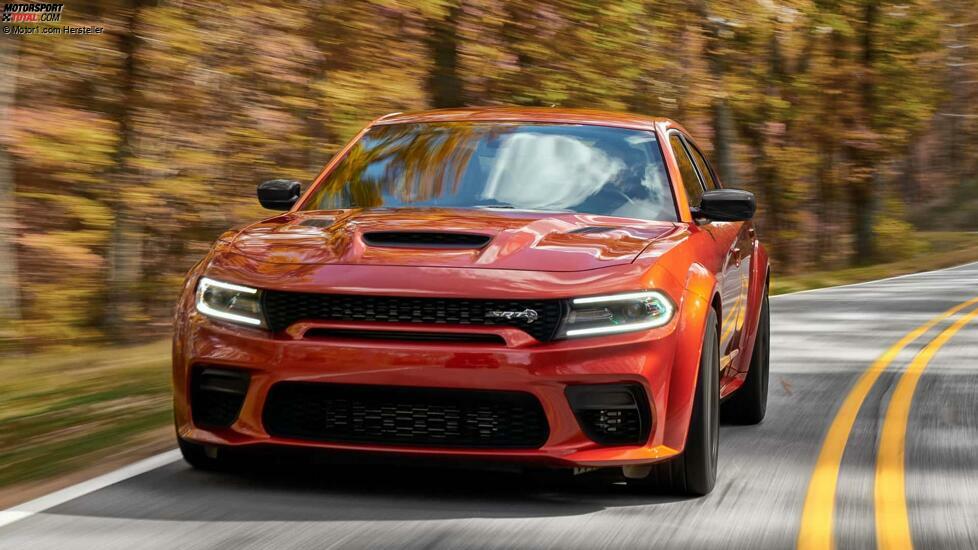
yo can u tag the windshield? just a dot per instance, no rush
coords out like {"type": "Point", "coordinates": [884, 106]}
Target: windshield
{"type": "Point", "coordinates": [551, 167]}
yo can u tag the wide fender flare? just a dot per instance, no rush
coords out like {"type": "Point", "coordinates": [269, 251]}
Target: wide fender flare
{"type": "Point", "coordinates": [759, 276]}
{"type": "Point", "coordinates": [181, 323]}
{"type": "Point", "coordinates": [693, 311]}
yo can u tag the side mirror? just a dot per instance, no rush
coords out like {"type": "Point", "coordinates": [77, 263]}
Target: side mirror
{"type": "Point", "coordinates": [726, 205]}
{"type": "Point", "coordinates": [279, 194]}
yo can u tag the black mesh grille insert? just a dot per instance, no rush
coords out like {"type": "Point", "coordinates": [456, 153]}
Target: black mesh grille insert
{"type": "Point", "coordinates": [216, 396]}
{"type": "Point", "coordinates": [407, 336]}
{"type": "Point", "coordinates": [401, 415]}
{"type": "Point", "coordinates": [425, 239]}
{"type": "Point", "coordinates": [284, 308]}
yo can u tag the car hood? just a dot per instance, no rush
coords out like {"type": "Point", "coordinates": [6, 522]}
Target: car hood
{"type": "Point", "coordinates": [425, 237]}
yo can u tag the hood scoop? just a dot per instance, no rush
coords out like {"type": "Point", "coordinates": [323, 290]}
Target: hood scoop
{"type": "Point", "coordinates": [425, 239]}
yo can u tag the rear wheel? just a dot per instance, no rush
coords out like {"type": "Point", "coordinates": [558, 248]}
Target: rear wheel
{"type": "Point", "coordinates": [749, 403]}
{"type": "Point", "coordinates": [694, 472]}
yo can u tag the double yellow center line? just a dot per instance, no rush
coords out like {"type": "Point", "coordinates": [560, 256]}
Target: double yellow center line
{"type": "Point", "coordinates": [892, 520]}
{"type": "Point", "coordinates": [892, 525]}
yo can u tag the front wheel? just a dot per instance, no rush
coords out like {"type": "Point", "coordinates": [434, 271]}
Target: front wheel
{"type": "Point", "coordinates": [202, 458]}
{"type": "Point", "coordinates": [694, 472]}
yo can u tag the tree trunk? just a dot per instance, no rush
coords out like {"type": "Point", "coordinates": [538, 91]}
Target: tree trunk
{"type": "Point", "coordinates": [125, 246]}
{"type": "Point", "coordinates": [723, 141]}
{"type": "Point", "coordinates": [862, 201]}
{"type": "Point", "coordinates": [910, 180]}
{"type": "Point", "coordinates": [444, 82]}
{"type": "Point", "coordinates": [767, 182]}
{"type": "Point", "coordinates": [319, 139]}
{"type": "Point", "coordinates": [824, 211]}
{"type": "Point", "coordinates": [314, 117]}
{"type": "Point", "coordinates": [861, 196]}
{"type": "Point", "coordinates": [723, 121]}
{"type": "Point", "coordinates": [9, 287]}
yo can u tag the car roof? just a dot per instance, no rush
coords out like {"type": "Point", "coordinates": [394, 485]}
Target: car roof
{"type": "Point", "coordinates": [528, 114]}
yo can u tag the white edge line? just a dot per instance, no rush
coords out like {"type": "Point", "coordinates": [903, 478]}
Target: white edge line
{"type": "Point", "coordinates": [50, 500]}
{"type": "Point", "coordinates": [861, 283]}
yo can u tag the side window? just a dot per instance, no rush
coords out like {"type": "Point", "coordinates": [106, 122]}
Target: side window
{"type": "Point", "coordinates": [703, 167]}
{"type": "Point", "coordinates": [694, 189]}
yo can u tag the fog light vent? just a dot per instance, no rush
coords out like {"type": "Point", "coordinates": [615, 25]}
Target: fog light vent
{"type": "Point", "coordinates": [216, 396]}
{"type": "Point", "coordinates": [612, 414]}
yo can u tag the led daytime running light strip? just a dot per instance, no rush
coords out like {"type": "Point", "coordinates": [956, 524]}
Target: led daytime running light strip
{"type": "Point", "coordinates": [628, 327]}
{"type": "Point", "coordinates": [202, 306]}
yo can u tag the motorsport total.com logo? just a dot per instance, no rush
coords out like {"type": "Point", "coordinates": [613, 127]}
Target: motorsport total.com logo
{"type": "Point", "coordinates": [32, 13]}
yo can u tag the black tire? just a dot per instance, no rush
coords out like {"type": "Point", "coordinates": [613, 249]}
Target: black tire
{"type": "Point", "coordinates": [748, 404]}
{"type": "Point", "coordinates": [196, 455]}
{"type": "Point", "coordinates": [694, 472]}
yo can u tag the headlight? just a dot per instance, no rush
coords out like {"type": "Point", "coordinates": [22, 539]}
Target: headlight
{"type": "Point", "coordinates": [617, 313]}
{"type": "Point", "coordinates": [240, 304]}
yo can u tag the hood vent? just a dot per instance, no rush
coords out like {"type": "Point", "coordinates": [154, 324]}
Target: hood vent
{"type": "Point", "coordinates": [425, 239]}
{"type": "Point", "coordinates": [318, 222]}
{"type": "Point", "coordinates": [593, 229]}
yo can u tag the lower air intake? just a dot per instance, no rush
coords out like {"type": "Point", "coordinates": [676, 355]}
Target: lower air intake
{"type": "Point", "coordinates": [405, 416]}
{"type": "Point", "coordinates": [612, 414]}
{"type": "Point", "coordinates": [216, 396]}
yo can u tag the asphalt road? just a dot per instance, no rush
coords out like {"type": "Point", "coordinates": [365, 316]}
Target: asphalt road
{"type": "Point", "coordinates": [822, 341]}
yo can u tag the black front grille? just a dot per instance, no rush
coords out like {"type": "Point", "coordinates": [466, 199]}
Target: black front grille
{"type": "Point", "coordinates": [407, 336]}
{"type": "Point", "coordinates": [284, 308]}
{"type": "Point", "coordinates": [216, 396]}
{"type": "Point", "coordinates": [405, 416]}
{"type": "Point", "coordinates": [425, 239]}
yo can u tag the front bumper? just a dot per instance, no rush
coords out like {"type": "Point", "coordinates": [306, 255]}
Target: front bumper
{"type": "Point", "coordinates": [522, 365]}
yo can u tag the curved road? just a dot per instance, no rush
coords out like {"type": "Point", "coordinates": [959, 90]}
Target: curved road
{"type": "Point", "coordinates": [823, 342]}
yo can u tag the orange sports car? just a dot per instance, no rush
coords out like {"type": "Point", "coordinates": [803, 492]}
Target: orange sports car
{"type": "Point", "coordinates": [545, 287]}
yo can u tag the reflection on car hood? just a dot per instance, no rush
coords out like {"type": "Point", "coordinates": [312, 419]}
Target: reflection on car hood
{"type": "Point", "coordinates": [520, 240]}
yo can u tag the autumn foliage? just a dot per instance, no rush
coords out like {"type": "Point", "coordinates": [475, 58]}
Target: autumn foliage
{"type": "Point", "coordinates": [124, 155]}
